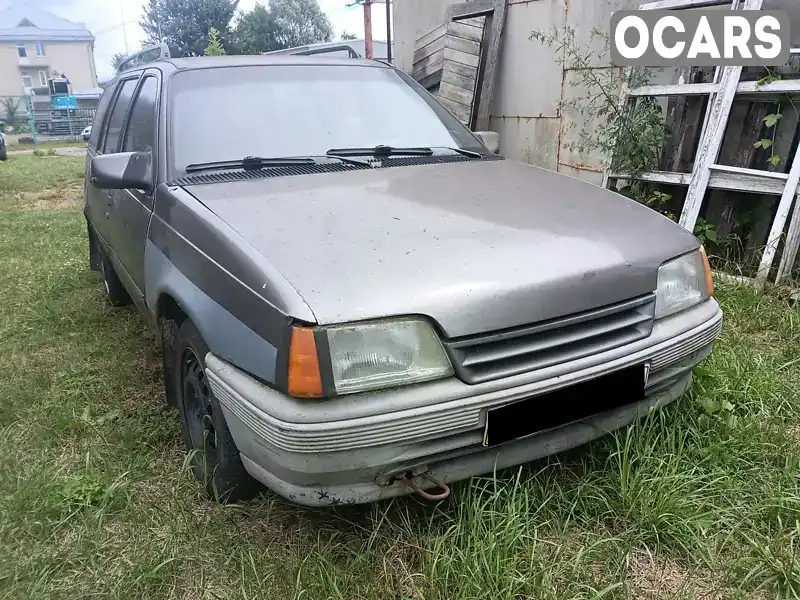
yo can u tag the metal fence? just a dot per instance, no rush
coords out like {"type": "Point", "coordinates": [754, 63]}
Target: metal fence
{"type": "Point", "coordinates": [51, 117]}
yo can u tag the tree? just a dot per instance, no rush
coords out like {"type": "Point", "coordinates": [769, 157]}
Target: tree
{"type": "Point", "coordinates": [214, 47]}
{"type": "Point", "coordinates": [300, 22]}
{"type": "Point", "coordinates": [116, 61]}
{"type": "Point", "coordinates": [348, 36]}
{"type": "Point", "coordinates": [10, 106]}
{"type": "Point", "coordinates": [256, 31]}
{"type": "Point", "coordinates": [184, 24]}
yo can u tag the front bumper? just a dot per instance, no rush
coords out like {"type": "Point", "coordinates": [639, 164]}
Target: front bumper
{"type": "Point", "coordinates": [352, 449]}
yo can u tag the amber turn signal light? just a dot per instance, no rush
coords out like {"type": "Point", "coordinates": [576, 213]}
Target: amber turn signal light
{"type": "Point", "coordinates": [709, 278]}
{"type": "Point", "coordinates": [304, 378]}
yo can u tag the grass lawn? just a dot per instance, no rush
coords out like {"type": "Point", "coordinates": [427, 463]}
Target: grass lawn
{"type": "Point", "coordinates": [702, 500]}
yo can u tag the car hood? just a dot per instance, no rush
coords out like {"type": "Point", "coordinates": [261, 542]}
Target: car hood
{"type": "Point", "coordinates": [476, 246]}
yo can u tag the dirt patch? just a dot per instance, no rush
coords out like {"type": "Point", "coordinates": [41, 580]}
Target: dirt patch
{"type": "Point", "coordinates": [54, 199]}
{"type": "Point", "coordinates": [654, 578]}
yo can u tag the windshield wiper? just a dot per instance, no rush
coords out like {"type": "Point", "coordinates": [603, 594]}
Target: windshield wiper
{"type": "Point", "coordinates": [250, 162]}
{"type": "Point", "coordinates": [382, 151]}
{"type": "Point", "coordinates": [379, 151]}
{"type": "Point", "coordinates": [470, 153]}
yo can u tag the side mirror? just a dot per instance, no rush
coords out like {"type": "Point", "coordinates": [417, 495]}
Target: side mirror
{"type": "Point", "coordinates": [125, 170]}
{"type": "Point", "coordinates": [490, 139]}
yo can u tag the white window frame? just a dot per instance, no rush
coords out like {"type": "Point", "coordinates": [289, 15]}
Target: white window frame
{"type": "Point", "coordinates": [30, 80]}
{"type": "Point", "coordinates": [39, 48]}
{"type": "Point", "coordinates": [24, 51]}
{"type": "Point", "coordinates": [43, 78]}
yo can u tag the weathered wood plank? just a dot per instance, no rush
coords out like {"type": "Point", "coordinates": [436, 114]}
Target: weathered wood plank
{"type": "Point", "coordinates": [493, 38]}
{"type": "Point", "coordinates": [465, 83]}
{"type": "Point", "coordinates": [785, 143]}
{"type": "Point", "coordinates": [791, 247]}
{"type": "Point", "coordinates": [432, 35]}
{"type": "Point", "coordinates": [428, 65]}
{"type": "Point", "coordinates": [677, 89]}
{"type": "Point", "coordinates": [719, 180]}
{"type": "Point", "coordinates": [747, 172]}
{"type": "Point", "coordinates": [434, 69]}
{"type": "Point", "coordinates": [743, 131]}
{"type": "Point", "coordinates": [788, 86]}
{"type": "Point", "coordinates": [468, 10]}
{"type": "Point", "coordinates": [432, 48]}
{"type": "Point", "coordinates": [474, 22]}
{"type": "Point", "coordinates": [431, 82]}
{"type": "Point", "coordinates": [462, 30]}
{"type": "Point", "coordinates": [461, 70]}
{"type": "Point", "coordinates": [452, 92]}
{"type": "Point", "coordinates": [471, 60]}
{"type": "Point", "coordinates": [711, 141]}
{"type": "Point", "coordinates": [784, 210]}
{"type": "Point", "coordinates": [463, 45]}
{"type": "Point", "coordinates": [460, 111]}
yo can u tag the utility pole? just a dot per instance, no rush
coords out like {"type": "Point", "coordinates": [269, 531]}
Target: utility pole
{"type": "Point", "coordinates": [368, 28]}
{"type": "Point", "coordinates": [124, 29]}
{"type": "Point", "coordinates": [389, 31]}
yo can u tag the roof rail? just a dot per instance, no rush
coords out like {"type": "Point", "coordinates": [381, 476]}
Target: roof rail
{"type": "Point", "coordinates": [309, 50]}
{"type": "Point", "coordinates": [144, 56]}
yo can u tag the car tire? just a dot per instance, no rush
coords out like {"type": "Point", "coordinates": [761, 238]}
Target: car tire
{"type": "Point", "coordinates": [115, 291]}
{"type": "Point", "coordinates": [212, 452]}
{"type": "Point", "coordinates": [3, 154]}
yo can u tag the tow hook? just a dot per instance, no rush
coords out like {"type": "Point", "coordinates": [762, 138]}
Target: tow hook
{"type": "Point", "coordinates": [445, 489]}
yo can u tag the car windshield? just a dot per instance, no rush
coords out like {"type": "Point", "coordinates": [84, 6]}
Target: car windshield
{"type": "Point", "coordinates": [226, 114]}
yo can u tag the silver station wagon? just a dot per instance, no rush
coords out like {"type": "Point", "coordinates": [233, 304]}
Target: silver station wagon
{"type": "Point", "coordinates": [357, 299]}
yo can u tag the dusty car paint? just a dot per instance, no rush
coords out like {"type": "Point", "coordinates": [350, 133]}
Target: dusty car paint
{"type": "Point", "coordinates": [474, 246]}
{"type": "Point", "coordinates": [477, 246]}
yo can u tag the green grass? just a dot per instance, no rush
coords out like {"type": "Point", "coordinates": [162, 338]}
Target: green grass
{"type": "Point", "coordinates": [28, 173]}
{"type": "Point", "coordinates": [702, 500]}
{"type": "Point", "coordinates": [43, 143]}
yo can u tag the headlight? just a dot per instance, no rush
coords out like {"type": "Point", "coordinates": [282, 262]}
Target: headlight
{"type": "Point", "coordinates": [384, 354]}
{"type": "Point", "coordinates": [682, 283]}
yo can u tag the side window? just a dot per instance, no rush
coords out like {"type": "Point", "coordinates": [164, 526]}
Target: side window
{"type": "Point", "coordinates": [100, 115]}
{"type": "Point", "coordinates": [140, 133]}
{"type": "Point", "coordinates": [117, 116]}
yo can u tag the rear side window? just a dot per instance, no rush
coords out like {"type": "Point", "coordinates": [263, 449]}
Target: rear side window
{"type": "Point", "coordinates": [117, 116]}
{"type": "Point", "coordinates": [140, 134]}
{"type": "Point", "coordinates": [100, 115]}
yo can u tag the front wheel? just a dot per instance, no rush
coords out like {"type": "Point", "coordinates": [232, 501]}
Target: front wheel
{"type": "Point", "coordinates": [213, 454]}
{"type": "Point", "coordinates": [3, 153]}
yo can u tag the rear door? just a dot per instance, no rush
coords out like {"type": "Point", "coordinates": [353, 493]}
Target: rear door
{"type": "Point", "coordinates": [108, 140]}
{"type": "Point", "coordinates": [94, 199]}
{"type": "Point", "coordinates": [131, 211]}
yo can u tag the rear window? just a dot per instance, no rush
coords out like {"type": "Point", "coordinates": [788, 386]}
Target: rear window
{"type": "Point", "coordinates": [99, 115]}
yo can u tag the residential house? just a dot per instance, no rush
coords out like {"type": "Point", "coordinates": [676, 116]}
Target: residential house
{"type": "Point", "coordinates": [36, 46]}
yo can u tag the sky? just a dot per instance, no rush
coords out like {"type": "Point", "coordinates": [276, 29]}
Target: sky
{"type": "Point", "coordinates": [105, 19]}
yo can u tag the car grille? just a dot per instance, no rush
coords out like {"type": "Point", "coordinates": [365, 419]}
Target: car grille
{"type": "Point", "coordinates": [502, 354]}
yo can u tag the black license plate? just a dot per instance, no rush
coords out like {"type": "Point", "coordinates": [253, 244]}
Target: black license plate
{"type": "Point", "coordinates": [566, 405]}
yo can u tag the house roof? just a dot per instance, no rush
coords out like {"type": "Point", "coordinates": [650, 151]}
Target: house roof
{"type": "Point", "coordinates": [27, 24]}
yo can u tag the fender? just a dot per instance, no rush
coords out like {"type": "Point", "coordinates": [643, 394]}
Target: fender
{"type": "Point", "coordinates": [226, 335]}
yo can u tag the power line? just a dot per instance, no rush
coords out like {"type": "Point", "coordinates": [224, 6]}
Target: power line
{"type": "Point", "coordinates": [116, 27]}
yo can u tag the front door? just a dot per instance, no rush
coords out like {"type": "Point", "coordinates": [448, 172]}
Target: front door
{"type": "Point", "coordinates": [100, 203]}
{"type": "Point", "coordinates": [131, 209]}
